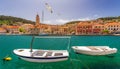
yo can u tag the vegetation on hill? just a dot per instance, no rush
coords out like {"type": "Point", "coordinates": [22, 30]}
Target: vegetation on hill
{"type": "Point", "coordinates": [10, 20]}
{"type": "Point", "coordinates": [72, 22]}
{"type": "Point", "coordinates": [110, 19]}
{"type": "Point", "coordinates": [103, 19]}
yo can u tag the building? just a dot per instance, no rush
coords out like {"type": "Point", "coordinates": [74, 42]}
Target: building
{"type": "Point", "coordinates": [13, 29]}
{"type": "Point", "coordinates": [3, 30]}
{"type": "Point", "coordinates": [112, 27]}
{"type": "Point", "coordinates": [84, 28]}
{"type": "Point", "coordinates": [37, 21]}
{"type": "Point", "coordinates": [27, 28]}
{"type": "Point", "coordinates": [97, 28]}
{"type": "Point", "coordinates": [37, 26]}
{"type": "Point", "coordinates": [64, 30]}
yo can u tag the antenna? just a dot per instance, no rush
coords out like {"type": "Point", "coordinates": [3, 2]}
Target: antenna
{"type": "Point", "coordinates": [31, 44]}
{"type": "Point", "coordinates": [43, 16]}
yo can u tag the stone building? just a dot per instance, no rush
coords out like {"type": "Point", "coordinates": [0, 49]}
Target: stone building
{"type": "Point", "coordinates": [112, 27]}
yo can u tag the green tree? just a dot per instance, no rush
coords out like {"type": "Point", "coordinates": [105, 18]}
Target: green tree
{"type": "Point", "coordinates": [22, 30]}
{"type": "Point", "coordinates": [105, 31]}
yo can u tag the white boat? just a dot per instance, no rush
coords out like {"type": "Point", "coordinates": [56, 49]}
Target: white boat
{"type": "Point", "coordinates": [42, 55]}
{"type": "Point", "coordinates": [39, 55]}
{"type": "Point", "coordinates": [117, 34]}
{"type": "Point", "coordinates": [94, 50]}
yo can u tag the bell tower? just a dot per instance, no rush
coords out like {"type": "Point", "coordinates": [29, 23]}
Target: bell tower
{"type": "Point", "coordinates": [37, 20]}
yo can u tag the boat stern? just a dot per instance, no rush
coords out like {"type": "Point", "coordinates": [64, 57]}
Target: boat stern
{"type": "Point", "coordinates": [22, 52]}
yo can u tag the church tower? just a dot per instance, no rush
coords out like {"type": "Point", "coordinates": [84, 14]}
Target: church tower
{"type": "Point", "coordinates": [37, 20]}
{"type": "Point", "coordinates": [37, 28]}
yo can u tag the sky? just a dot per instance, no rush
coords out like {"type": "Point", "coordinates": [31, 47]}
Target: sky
{"type": "Point", "coordinates": [63, 10]}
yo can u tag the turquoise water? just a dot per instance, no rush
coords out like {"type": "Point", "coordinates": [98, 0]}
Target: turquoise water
{"type": "Point", "coordinates": [75, 61]}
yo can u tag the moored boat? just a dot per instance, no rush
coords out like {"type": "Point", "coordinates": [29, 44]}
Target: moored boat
{"type": "Point", "coordinates": [39, 55]}
{"type": "Point", "coordinates": [94, 50]}
{"type": "Point", "coordinates": [42, 55]}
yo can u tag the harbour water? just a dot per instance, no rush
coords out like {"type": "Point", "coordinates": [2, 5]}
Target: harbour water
{"type": "Point", "coordinates": [76, 61]}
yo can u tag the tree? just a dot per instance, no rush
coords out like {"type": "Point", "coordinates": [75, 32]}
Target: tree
{"type": "Point", "coordinates": [105, 31]}
{"type": "Point", "coordinates": [22, 30]}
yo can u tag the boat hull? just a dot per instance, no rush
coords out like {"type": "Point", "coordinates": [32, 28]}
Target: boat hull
{"type": "Point", "coordinates": [90, 52]}
{"type": "Point", "coordinates": [36, 56]}
{"type": "Point", "coordinates": [43, 60]}
{"type": "Point", "coordinates": [94, 53]}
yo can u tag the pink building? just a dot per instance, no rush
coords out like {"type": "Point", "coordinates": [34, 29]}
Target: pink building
{"type": "Point", "coordinates": [98, 28]}
{"type": "Point", "coordinates": [84, 28]}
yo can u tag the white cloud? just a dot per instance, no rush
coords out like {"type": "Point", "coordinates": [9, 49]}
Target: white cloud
{"type": "Point", "coordinates": [47, 22]}
{"type": "Point", "coordinates": [55, 22]}
{"type": "Point", "coordinates": [96, 16]}
{"type": "Point", "coordinates": [63, 21]}
{"type": "Point", "coordinates": [84, 19]}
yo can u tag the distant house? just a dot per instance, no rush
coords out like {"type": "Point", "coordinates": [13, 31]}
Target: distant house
{"type": "Point", "coordinates": [54, 29]}
{"type": "Point", "coordinates": [27, 27]}
{"type": "Point", "coordinates": [64, 30]}
{"type": "Point", "coordinates": [13, 29]}
{"type": "Point", "coordinates": [3, 30]}
{"type": "Point", "coordinates": [112, 27]}
{"type": "Point", "coordinates": [84, 28]}
{"type": "Point", "coordinates": [98, 28]}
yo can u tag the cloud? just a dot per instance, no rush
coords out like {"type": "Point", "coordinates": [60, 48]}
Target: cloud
{"type": "Point", "coordinates": [56, 22]}
{"type": "Point", "coordinates": [84, 19]}
{"type": "Point", "coordinates": [63, 21]}
{"type": "Point", "coordinates": [48, 22]}
{"type": "Point", "coordinates": [96, 16]}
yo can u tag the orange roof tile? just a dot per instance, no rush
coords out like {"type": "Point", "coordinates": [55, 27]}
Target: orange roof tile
{"type": "Point", "coordinates": [112, 23]}
{"type": "Point", "coordinates": [84, 24]}
{"type": "Point", "coordinates": [2, 29]}
{"type": "Point", "coordinates": [12, 26]}
{"type": "Point", "coordinates": [97, 24]}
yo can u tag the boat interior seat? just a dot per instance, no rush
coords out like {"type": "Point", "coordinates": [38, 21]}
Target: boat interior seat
{"type": "Point", "coordinates": [49, 54]}
{"type": "Point", "coordinates": [38, 53]}
{"type": "Point", "coordinates": [58, 54]}
{"type": "Point", "coordinates": [92, 48]}
{"type": "Point", "coordinates": [95, 48]}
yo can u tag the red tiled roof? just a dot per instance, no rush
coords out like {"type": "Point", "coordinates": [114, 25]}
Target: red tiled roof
{"type": "Point", "coordinates": [112, 23]}
{"type": "Point", "coordinates": [2, 30]}
{"type": "Point", "coordinates": [13, 27]}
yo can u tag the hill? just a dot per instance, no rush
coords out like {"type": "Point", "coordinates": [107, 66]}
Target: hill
{"type": "Point", "coordinates": [102, 19]}
{"type": "Point", "coordinates": [10, 20]}
{"type": "Point", "coordinates": [73, 22]}
{"type": "Point", "coordinates": [110, 19]}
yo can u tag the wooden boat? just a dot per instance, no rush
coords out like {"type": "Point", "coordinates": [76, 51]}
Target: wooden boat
{"type": "Point", "coordinates": [38, 55]}
{"type": "Point", "coordinates": [94, 50]}
{"type": "Point", "coordinates": [42, 55]}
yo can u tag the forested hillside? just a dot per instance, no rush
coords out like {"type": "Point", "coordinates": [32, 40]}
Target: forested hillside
{"type": "Point", "coordinates": [10, 20]}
